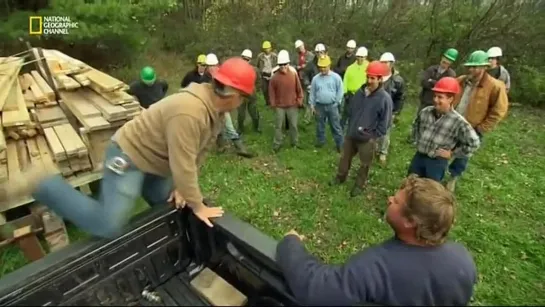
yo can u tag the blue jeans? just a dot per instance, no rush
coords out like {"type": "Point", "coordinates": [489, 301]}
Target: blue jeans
{"type": "Point", "coordinates": [459, 165]}
{"type": "Point", "coordinates": [426, 167]}
{"type": "Point", "coordinates": [118, 194]}
{"type": "Point", "coordinates": [229, 132]}
{"type": "Point", "coordinates": [329, 112]}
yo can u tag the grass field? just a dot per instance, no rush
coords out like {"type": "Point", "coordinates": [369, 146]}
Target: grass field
{"type": "Point", "coordinates": [500, 217]}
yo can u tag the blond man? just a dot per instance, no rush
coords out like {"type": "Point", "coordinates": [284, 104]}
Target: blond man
{"type": "Point", "coordinates": [416, 267]}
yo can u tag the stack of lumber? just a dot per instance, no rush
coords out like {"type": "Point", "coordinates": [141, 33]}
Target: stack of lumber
{"type": "Point", "coordinates": [34, 130]}
{"type": "Point", "coordinates": [97, 100]}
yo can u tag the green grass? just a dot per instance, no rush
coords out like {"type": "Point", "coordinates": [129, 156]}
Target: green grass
{"type": "Point", "coordinates": [500, 217]}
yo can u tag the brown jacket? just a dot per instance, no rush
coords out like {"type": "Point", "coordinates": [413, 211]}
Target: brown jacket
{"type": "Point", "coordinates": [285, 89]}
{"type": "Point", "coordinates": [172, 137]}
{"type": "Point", "coordinates": [487, 105]}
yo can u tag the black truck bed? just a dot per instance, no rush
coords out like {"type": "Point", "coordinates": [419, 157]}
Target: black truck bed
{"type": "Point", "coordinates": [160, 252]}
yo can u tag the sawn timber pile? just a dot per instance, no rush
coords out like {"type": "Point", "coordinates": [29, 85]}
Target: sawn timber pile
{"type": "Point", "coordinates": [38, 128]}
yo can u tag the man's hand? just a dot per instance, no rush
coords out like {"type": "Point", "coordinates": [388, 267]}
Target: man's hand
{"type": "Point", "coordinates": [443, 153]}
{"type": "Point", "coordinates": [313, 109]}
{"type": "Point", "coordinates": [295, 233]}
{"type": "Point", "coordinates": [205, 213]}
{"type": "Point", "coordinates": [176, 198]}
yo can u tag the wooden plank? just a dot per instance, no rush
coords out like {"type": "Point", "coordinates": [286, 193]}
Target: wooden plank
{"type": "Point", "coordinates": [72, 143]}
{"type": "Point", "coordinates": [3, 157]}
{"type": "Point", "coordinates": [2, 137]}
{"type": "Point", "coordinates": [55, 144]}
{"type": "Point", "coordinates": [31, 247]}
{"type": "Point", "coordinates": [9, 69]}
{"type": "Point", "coordinates": [115, 97]}
{"type": "Point", "coordinates": [42, 84]}
{"type": "Point", "coordinates": [14, 169]}
{"type": "Point", "coordinates": [3, 172]}
{"type": "Point", "coordinates": [45, 155]}
{"type": "Point", "coordinates": [37, 92]}
{"type": "Point", "coordinates": [106, 82]}
{"type": "Point", "coordinates": [19, 117]}
{"type": "Point", "coordinates": [50, 114]}
{"type": "Point", "coordinates": [216, 290]}
{"type": "Point", "coordinates": [34, 154]}
{"type": "Point", "coordinates": [109, 112]}
{"type": "Point", "coordinates": [10, 103]}
{"type": "Point", "coordinates": [67, 82]}
{"type": "Point", "coordinates": [82, 79]}
{"type": "Point", "coordinates": [86, 113]}
{"type": "Point", "coordinates": [22, 153]}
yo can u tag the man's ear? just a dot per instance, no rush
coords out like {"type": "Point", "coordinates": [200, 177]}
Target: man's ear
{"type": "Point", "coordinates": [408, 223]}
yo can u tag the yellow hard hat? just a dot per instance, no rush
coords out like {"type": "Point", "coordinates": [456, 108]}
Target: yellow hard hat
{"type": "Point", "coordinates": [324, 61]}
{"type": "Point", "coordinates": [266, 45]}
{"type": "Point", "coordinates": [201, 59]}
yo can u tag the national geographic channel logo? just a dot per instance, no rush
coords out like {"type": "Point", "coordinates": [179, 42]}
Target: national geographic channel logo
{"type": "Point", "coordinates": [50, 25]}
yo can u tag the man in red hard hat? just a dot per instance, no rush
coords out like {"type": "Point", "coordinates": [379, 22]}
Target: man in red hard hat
{"type": "Point", "coordinates": [369, 116]}
{"type": "Point", "coordinates": [441, 133]}
{"type": "Point", "coordinates": [156, 155]}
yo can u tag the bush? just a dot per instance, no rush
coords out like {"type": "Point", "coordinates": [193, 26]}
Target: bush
{"type": "Point", "coordinates": [528, 86]}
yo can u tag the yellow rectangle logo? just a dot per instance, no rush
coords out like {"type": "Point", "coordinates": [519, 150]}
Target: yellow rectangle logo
{"type": "Point", "coordinates": [35, 22]}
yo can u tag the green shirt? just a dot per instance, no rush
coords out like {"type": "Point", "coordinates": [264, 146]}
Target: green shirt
{"type": "Point", "coordinates": [355, 76]}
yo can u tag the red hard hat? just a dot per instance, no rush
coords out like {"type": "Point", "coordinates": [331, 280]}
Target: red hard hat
{"type": "Point", "coordinates": [376, 68]}
{"type": "Point", "coordinates": [447, 85]}
{"type": "Point", "coordinates": [236, 73]}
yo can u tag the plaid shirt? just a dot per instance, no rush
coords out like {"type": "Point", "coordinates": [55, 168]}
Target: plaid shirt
{"type": "Point", "coordinates": [450, 131]}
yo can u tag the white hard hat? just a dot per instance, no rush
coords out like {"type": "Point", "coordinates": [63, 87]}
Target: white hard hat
{"type": "Point", "coordinates": [362, 51]}
{"type": "Point", "coordinates": [494, 52]}
{"type": "Point", "coordinates": [319, 47]}
{"type": "Point", "coordinates": [211, 59]}
{"type": "Point", "coordinates": [283, 57]}
{"type": "Point", "coordinates": [351, 44]}
{"type": "Point", "coordinates": [298, 43]}
{"type": "Point", "coordinates": [387, 57]}
{"type": "Point", "coordinates": [247, 53]}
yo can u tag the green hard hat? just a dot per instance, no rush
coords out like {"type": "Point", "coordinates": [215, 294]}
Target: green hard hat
{"type": "Point", "coordinates": [478, 58]}
{"type": "Point", "coordinates": [148, 74]}
{"type": "Point", "coordinates": [451, 54]}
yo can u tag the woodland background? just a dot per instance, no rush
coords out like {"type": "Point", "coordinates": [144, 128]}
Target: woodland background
{"type": "Point", "coordinates": [415, 31]}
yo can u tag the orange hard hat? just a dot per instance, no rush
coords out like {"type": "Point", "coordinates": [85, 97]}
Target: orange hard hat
{"type": "Point", "coordinates": [236, 73]}
{"type": "Point", "coordinates": [447, 85]}
{"type": "Point", "coordinates": [376, 68]}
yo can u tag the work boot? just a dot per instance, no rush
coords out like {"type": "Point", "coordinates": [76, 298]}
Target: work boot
{"type": "Point", "coordinates": [241, 149]}
{"type": "Point", "coordinates": [451, 184]}
{"type": "Point", "coordinates": [356, 191]}
{"type": "Point", "coordinates": [220, 144]}
{"type": "Point", "coordinates": [256, 127]}
{"type": "Point", "coordinates": [336, 181]}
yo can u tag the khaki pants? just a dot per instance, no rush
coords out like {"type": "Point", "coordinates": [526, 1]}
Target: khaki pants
{"type": "Point", "coordinates": [365, 152]}
{"type": "Point", "coordinates": [291, 115]}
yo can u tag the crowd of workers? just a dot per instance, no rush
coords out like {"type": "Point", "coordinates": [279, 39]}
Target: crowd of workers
{"type": "Point", "coordinates": [158, 154]}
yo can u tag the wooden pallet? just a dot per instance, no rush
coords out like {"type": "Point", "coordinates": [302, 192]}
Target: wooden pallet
{"type": "Point", "coordinates": [75, 180]}
{"type": "Point", "coordinates": [40, 221]}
